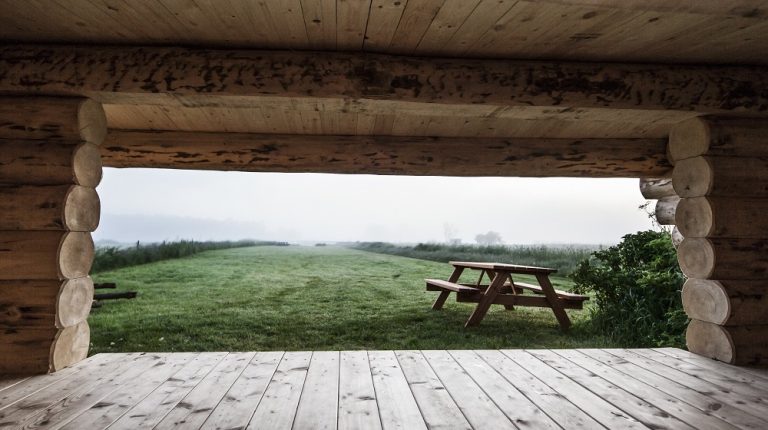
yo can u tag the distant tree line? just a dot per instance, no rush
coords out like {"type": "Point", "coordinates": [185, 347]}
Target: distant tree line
{"type": "Point", "coordinates": [112, 257]}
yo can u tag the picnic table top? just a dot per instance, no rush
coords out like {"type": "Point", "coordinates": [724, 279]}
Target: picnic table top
{"type": "Point", "coordinates": [512, 268]}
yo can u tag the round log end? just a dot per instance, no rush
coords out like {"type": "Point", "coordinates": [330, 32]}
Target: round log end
{"type": "Point", "coordinates": [70, 346]}
{"type": "Point", "coordinates": [656, 188]}
{"type": "Point", "coordinates": [692, 177]}
{"type": "Point", "coordinates": [696, 257]}
{"type": "Point", "coordinates": [710, 340]}
{"type": "Point", "coordinates": [92, 122]}
{"type": "Point", "coordinates": [665, 210]}
{"type": "Point", "coordinates": [75, 255]}
{"type": "Point", "coordinates": [706, 300]}
{"type": "Point", "coordinates": [695, 217]}
{"type": "Point", "coordinates": [86, 162]}
{"type": "Point", "coordinates": [688, 139]}
{"type": "Point", "coordinates": [677, 237]}
{"type": "Point", "coordinates": [74, 302]}
{"type": "Point", "coordinates": [82, 209]}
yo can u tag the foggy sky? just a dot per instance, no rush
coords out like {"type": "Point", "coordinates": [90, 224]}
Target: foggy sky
{"type": "Point", "coordinates": [154, 205]}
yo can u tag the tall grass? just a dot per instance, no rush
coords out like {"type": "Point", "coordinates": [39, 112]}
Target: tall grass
{"type": "Point", "coordinates": [563, 258]}
{"type": "Point", "coordinates": [109, 258]}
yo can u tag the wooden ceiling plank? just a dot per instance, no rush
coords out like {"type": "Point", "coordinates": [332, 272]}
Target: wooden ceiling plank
{"type": "Point", "coordinates": [288, 20]}
{"type": "Point", "coordinates": [416, 19]}
{"type": "Point", "coordinates": [382, 24]}
{"type": "Point", "coordinates": [448, 20]}
{"type": "Point", "coordinates": [482, 18]}
{"type": "Point", "coordinates": [756, 9]}
{"type": "Point", "coordinates": [320, 23]}
{"type": "Point", "coordinates": [351, 22]}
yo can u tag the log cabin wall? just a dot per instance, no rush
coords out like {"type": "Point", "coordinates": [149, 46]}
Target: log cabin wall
{"type": "Point", "coordinates": [720, 175]}
{"type": "Point", "coordinates": [49, 168]}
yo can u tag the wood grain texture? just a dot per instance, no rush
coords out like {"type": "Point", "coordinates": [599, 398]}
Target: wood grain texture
{"type": "Point", "coordinates": [665, 210]}
{"type": "Point", "coordinates": [740, 345]}
{"type": "Point", "coordinates": [45, 255]}
{"type": "Point", "coordinates": [656, 188]}
{"type": "Point", "coordinates": [148, 75]}
{"type": "Point", "coordinates": [727, 302]}
{"type": "Point", "coordinates": [721, 176]}
{"type": "Point", "coordinates": [719, 136]}
{"type": "Point", "coordinates": [69, 119]}
{"type": "Point", "coordinates": [44, 303]}
{"type": "Point", "coordinates": [723, 217]}
{"type": "Point", "coordinates": [386, 154]}
{"type": "Point", "coordinates": [49, 207]}
{"type": "Point", "coordinates": [35, 162]}
{"type": "Point", "coordinates": [721, 258]}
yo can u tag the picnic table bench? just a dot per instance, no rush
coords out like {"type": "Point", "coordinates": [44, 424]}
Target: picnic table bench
{"type": "Point", "coordinates": [503, 290]}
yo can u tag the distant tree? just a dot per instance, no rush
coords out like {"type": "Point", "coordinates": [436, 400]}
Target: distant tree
{"type": "Point", "coordinates": [488, 239]}
{"type": "Point", "coordinates": [451, 234]}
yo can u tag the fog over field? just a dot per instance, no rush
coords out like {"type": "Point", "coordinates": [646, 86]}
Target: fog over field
{"type": "Point", "coordinates": [155, 205]}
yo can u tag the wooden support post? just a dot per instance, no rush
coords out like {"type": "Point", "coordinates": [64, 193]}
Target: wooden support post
{"type": "Point", "coordinates": [49, 166]}
{"type": "Point", "coordinates": [721, 167]}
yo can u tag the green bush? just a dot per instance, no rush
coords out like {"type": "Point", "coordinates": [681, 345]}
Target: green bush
{"type": "Point", "coordinates": [636, 286]}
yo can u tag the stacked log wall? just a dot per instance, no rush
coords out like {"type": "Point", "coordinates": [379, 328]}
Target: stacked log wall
{"type": "Point", "coordinates": [49, 168]}
{"type": "Point", "coordinates": [720, 175]}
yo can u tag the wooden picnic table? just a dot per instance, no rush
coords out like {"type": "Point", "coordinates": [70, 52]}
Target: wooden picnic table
{"type": "Point", "coordinates": [503, 290]}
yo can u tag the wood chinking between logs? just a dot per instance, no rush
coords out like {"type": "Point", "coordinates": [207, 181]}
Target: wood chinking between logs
{"type": "Point", "coordinates": [720, 173]}
{"type": "Point", "coordinates": [49, 167]}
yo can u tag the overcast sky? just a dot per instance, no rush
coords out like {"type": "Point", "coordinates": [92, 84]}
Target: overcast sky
{"type": "Point", "coordinates": [154, 205]}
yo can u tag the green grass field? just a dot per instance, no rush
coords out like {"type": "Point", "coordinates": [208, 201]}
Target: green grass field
{"type": "Point", "coordinates": [307, 298]}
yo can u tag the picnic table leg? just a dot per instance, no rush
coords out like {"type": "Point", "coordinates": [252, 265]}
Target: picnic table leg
{"type": "Point", "coordinates": [554, 301]}
{"type": "Point", "coordinates": [503, 289]}
{"type": "Point", "coordinates": [487, 300]}
{"type": "Point", "coordinates": [440, 301]}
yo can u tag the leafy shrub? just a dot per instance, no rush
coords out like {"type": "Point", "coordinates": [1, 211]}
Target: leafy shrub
{"type": "Point", "coordinates": [636, 287]}
{"type": "Point", "coordinates": [109, 258]}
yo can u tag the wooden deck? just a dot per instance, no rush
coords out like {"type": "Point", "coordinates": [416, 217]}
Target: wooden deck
{"type": "Point", "coordinates": [491, 389]}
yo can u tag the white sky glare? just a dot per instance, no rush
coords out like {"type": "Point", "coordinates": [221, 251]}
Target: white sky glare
{"type": "Point", "coordinates": [154, 205]}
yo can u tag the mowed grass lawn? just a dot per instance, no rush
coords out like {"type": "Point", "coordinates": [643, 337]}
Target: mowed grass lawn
{"type": "Point", "coordinates": [307, 298]}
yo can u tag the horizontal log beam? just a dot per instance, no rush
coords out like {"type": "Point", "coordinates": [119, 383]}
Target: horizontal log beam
{"type": "Point", "coordinates": [727, 302]}
{"type": "Point", "coordinates": [656, 188]}
{"type": "Point", "coordinates": [49, 207]}
{"type": "Point", "coordinates": [71, 119]}
{"type": "Point", "coordinates": [740, 345]}
{"type": "Point", "coordinates": [195, 77]}
{"type": "Point", "coordinates": [386, 155]}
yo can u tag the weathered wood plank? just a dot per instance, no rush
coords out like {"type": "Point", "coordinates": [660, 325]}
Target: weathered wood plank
{"type": "Point", "coordinates": [437, 407]}
{"type": "Point", "coordinates": [386, 154]}
{"type": "Point", "coordinates": [238, 405]}
{"type": "Point", "coordinates": [477, 407]}
{"type": "Point", "coordinates": [703, 401]}
{"type": "Point", "coordinates": [153, 408]}
{"type": "Point", "coordinates": [125, 394]}
{"type": "Point", "coordinates": [357, 396]}
{"type": "Point", "coordinates": [397, 406]}
{"type": "Point", "coordinates": [197, 405]}
{"type": "Point", "coordinates": [659, 399]}
{"type": "Point", "coordinates": [559, 408]}
{"type": "Point", "coordinates": [518, 408]}
{"type": "Point", "coordinates": [319, 404]}
{"type": "Point", "coordinates": [277, 408]}
{"type": "Point", "coordinates": [589, 402]}
{"type": "Point", "coordinates": [146, 75]}
{"type": "Point", "coordinates": [745, 375]}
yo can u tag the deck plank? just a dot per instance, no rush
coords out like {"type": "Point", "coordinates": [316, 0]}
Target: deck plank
{"type": "Point", "coordinates": [192, 411]}
{"type": "Point", "coordinates": [565, 413]}
{"type": "Point", "coordinates": [319, 404]}
{"type": "Point", "coordinates": [240, 402]}
{"type": "Point", "coordinates": [705, 403]}
{"type": "Point", "coordinates": [518, 408]}
{"type": "Point", "coordinates": [747, 375]}
{"type": "Point", "coordinates": [640, 409]}
{"type": "Point", "coordinates": [397, 406]}
{"type": "Point", "coordinates": [20, 391]}
{"type": "Point", "coordinates": [437, 407]}
{"type": "Point", "coordinates": [277, 408]}
{"type": "Point", "coordinates": [661, 400]}
{"type": "Point", "coordinates": [480, 410]}
{"type": "Point", "coordinates": [751, 405]}
{"type": "Point", "coordinates": [589, 402]}
{"type": "Point", "coordinates": [152, 409]}
{"type": "Point", "coordinates": [8, 381]}
{"type": "Point", "coordinates": [125, 396]}
{"type": "Point", "coordinates": [357, 397]}
{"type": "Point", "coordinates": [52, 407]}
